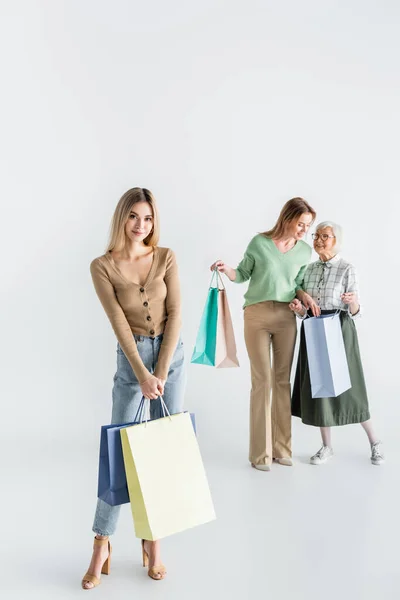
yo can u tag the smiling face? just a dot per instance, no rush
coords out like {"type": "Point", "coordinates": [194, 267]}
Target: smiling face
{"type": "Point", "coordinates": [299, 227]}
{"type": "Point", "coordinates": [324, 241]}
{"type": "Point", "coordinates": [140, 222]}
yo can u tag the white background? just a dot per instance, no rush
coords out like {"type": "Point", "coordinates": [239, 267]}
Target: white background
{"type": "Point", "coordinates": [225, 110]}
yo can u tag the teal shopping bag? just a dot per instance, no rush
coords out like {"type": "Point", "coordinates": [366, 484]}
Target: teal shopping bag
{"type": "Point", "coordinates": [206, 341]}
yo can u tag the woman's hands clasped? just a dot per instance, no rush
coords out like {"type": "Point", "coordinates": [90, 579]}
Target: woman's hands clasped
{"type": "Point", "coordinates": [152, 388]}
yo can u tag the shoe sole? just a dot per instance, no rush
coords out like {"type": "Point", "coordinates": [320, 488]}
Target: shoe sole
{"type": "Point", "coordinates": [321, 462]}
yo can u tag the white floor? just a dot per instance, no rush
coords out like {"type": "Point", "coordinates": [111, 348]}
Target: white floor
{"type": "Point", "coordinates": [305, 532]}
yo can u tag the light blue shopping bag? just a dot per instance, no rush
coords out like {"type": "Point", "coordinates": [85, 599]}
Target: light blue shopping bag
{"type": "Point", "coordinates": [327, 361]}
{"type": "Point", "coordinates": [206, 341]}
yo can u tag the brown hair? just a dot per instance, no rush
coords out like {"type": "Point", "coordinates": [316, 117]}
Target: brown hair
{"type": "Point", "coordinates": [292, 210]}
{"type": "Point", "coordinates": [117, 239]}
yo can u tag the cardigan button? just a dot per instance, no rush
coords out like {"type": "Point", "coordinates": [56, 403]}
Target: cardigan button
{"type": "Point", "coordinates": [148, 318]}
{"type": "Point", "coordinates": [142, 289]}
{"type": "Point", "coordinates": [152, 332]}
{"type": "Point", "coordinates": [145, 303]}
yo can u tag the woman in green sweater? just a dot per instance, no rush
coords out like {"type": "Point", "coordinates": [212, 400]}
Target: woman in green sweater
{"type": "Point", "coordinates": [274, 262]}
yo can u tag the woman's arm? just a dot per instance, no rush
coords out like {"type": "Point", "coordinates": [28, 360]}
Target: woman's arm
{"type": "Point", "coordinates": [242, 272]}
{"type": "Point", "coordinates": [173, 324]}
{"type": "Point", "coordinates": [223, 268]}
{"type": "Point", "coordinates": [300, 278]}
{"type": "Point", "coordinates": [351, 294]}
{"type": "Point", "coordinates": [245, 268]}
{"type": "Point", "coordinates": [305, 298]}
{"type": "Point", "coordinates": [106, 293]}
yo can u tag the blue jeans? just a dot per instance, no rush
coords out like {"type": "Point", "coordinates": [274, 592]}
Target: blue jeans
{"type": "Point", "coordinates": [126, 397]}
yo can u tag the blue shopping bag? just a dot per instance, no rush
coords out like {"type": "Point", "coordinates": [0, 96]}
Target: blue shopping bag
{"type": "Point", "coordinates": [112, 485]}
{"type": "Point", "coordinates": [206, 341]}
{"type": "Point", "coordinates": [327, 361]}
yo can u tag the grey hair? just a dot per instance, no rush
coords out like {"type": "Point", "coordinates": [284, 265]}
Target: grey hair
{"type": "Point", "coordinates": [337, 232]}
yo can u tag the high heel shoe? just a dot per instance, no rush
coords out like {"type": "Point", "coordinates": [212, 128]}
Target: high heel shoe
{"type": "Point", "coordinates": [105, 569]}
{"type": "Point", "coordinates": [157, 572]}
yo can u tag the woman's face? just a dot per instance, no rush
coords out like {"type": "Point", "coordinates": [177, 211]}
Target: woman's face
{"type": "Point", "coordinates": [140, 222]}
{"type": "Point", "coordinates": [324, 240]}
{"type": "Point", "coordinates": [299, 227]}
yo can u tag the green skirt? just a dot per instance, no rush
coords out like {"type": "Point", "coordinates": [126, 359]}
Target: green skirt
{"type": "Point", "coordinates": [349, 407]}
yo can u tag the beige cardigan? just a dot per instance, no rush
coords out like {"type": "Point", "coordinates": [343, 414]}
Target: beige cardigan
{"type": "Point", "coordinates": [148, 310]}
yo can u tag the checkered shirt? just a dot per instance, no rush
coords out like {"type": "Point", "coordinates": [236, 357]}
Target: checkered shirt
{"type": "Point", "coordinates": [325, 282]}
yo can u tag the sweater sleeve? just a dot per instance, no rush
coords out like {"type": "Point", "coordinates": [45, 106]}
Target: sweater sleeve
{"type": "Point", "coordinates": [300, 275]}
{"type": "Point", "coordinates": [300, 278]}
{"type": "Point", "coordinates": [106, 293]}
{"type": "Point", "coordinates": [173, 324]}
{"type": "Point", "coordinates": [246, 266]}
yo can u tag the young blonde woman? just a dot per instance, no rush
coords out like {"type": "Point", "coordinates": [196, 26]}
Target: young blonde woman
{"type": "Point", "coordinates": [138, 285]}
{"type": "Point", "coordinates": [274, 262]}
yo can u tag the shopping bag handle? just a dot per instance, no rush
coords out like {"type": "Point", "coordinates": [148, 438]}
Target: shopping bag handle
{"type": "Point", "coordinates": [216, 274]}
{"type": "Point", "coordinates": [164, 408]}
{"type": "Point", "coordinates": [319, 316]}
{"type": "Point", "coordinates": [328, 316]}
{"type": "Point", "coordinates": [139, 412]}
{"type": "Point", "coordinates": [142, 412]}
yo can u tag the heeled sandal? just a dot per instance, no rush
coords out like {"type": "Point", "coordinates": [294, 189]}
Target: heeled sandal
{"type": "Point", "coordinates": [105, 569]}
{"type": "Point", "coordinates": [157, 572]}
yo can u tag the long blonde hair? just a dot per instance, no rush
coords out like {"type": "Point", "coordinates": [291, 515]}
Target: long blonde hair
{"type": "Point", "coordinates": [117, 239]}
{"type": "Point", "coordinates": [293, 209]}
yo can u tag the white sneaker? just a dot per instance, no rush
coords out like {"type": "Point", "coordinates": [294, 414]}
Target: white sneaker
{"type": "Point", "coordinates": [377, 456]}
{"type": "Point", "coordinates": [261, 467]}
{"type": "Point", "coordinates": [323, 454]}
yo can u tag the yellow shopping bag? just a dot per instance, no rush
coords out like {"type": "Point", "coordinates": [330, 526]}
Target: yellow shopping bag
{"type": "Point", "coordinates": [167, 483]}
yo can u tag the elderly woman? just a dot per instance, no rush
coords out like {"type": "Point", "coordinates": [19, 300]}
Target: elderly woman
{"type": "Point", "coordinates": [332, 283]}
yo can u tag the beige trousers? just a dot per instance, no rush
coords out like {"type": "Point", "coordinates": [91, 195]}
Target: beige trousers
{"type": "Point", "coordinates": [270, 325]}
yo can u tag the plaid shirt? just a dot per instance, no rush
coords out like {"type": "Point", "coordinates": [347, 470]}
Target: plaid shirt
{"type": "Point", "coordinates": [327, 281]}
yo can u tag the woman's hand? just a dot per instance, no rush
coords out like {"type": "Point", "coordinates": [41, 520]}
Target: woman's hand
{"type": "Point", "coordinates": [297, 307]}
{"type": "Point", "coordinates": [351, 299]}
{"type": "Point", "coordinates": [223, 268]}
{"type": "Point", "coordinates": [161, 386]}
{"type": "Point", "coordinates": [151, 388]}
{"type": "Point", "coordinates": [308, 302]}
